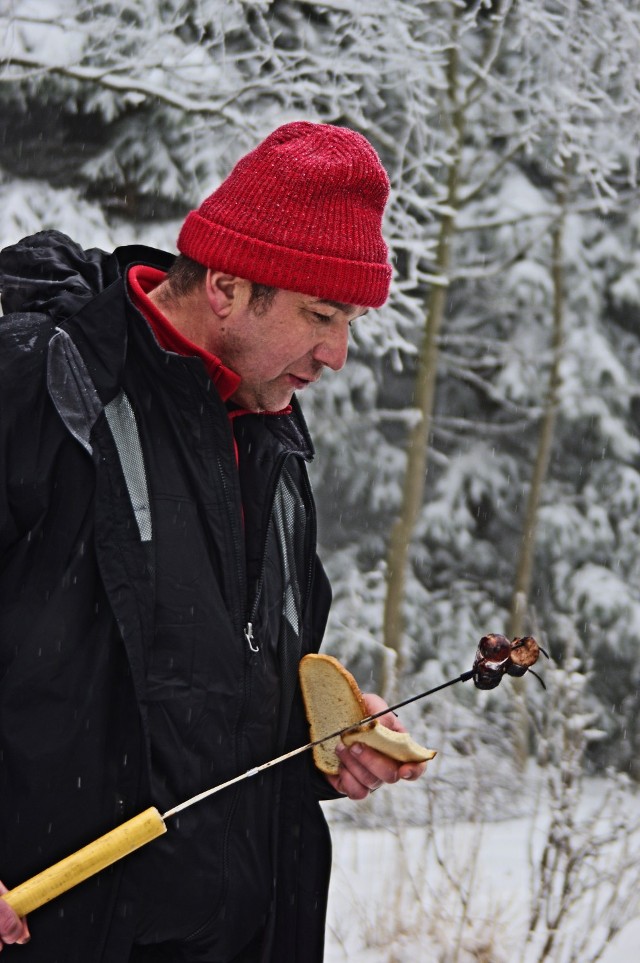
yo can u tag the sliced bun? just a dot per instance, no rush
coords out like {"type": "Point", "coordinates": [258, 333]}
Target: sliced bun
{"type": "Point", "coordinates": [333, 702]}
{"type": "Point", "coordinates": [397, 745]}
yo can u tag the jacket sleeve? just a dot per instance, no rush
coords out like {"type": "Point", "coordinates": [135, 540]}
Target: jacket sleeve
{"type": "Point", "coordinates": [23, 347]}
{"type": "Point", "coordinates": [321, 787]}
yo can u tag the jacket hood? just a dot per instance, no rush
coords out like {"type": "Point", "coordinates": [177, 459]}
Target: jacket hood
{"type": "Point", "coordinates": [49, 272]}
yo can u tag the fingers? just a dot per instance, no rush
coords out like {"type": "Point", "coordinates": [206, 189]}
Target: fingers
{"type": "Point", "coordinates": [374, 704]}
{"type": "Point", "coordinates": [363, 769]}
{"type": "Point", "coordinates": [411, 770]}
{"type": "Point", "coordinates": [357, 778]}
{"type": "Point", "coordinates": [12, 928]}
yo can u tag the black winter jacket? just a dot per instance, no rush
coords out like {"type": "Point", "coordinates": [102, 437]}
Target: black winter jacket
{"type": "Point", "coordinates": [154, 605]}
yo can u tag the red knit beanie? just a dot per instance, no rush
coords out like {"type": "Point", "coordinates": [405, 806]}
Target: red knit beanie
{"type": "Point", "coordinates": [303, 212]}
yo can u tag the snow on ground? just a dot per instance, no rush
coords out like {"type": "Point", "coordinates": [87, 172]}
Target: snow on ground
{"type": "Point", "coordinates": [457, 894]}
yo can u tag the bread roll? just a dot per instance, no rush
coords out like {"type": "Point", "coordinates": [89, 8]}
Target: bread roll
{"type": "Point", "coordinates": [333, 702]}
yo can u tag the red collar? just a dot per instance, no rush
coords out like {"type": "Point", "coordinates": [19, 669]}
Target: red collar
{"type": "Point", "coordinates": [142, 279]}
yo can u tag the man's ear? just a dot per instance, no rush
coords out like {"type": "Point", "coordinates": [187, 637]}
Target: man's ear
{"type": "Point", "coordinates": [224, 291]}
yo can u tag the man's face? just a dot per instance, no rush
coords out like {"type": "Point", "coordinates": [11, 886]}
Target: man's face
{"type": "Point", "coordinates": [282, 346]}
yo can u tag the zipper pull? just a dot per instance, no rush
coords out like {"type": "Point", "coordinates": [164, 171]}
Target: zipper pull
{"type": "Point", "coordinates": [248, 634]}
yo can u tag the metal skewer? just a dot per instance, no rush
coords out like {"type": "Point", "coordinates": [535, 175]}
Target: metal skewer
{"type": "Point", "coordinates": [296, 752]}
{"type": "Point", "coordinates": [148, 825]}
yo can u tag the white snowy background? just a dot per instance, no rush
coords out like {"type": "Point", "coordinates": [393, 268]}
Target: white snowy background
{"type": "Point", "coordinates": [460, 891]}
{"type": "Point", "coordinates": [511, 127]}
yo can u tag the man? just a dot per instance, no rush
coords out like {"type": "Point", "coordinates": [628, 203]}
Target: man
{"type": "Point", "coordinates": [158, 574]}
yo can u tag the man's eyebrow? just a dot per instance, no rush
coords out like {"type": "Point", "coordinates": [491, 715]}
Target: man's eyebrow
{"type": "Point", "coordinates": [340, 305]}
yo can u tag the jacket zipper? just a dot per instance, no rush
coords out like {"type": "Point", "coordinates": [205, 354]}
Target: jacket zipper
{"type": "Point", "coordinates": [312, 536]}
{"type": "Point", "coordinates": [237, 554]}
{"type": "Point", "coordinates": [248, 634]}
{"type": "Point", "coordinates": [251, 641]}
{"type": "Point", "coordinates": [237, 619]}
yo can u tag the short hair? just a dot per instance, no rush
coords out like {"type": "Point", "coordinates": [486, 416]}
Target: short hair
{"type": "Point", "coordinates": [262, 296]}
{"type": "Point", "coordinates": [185, 275]}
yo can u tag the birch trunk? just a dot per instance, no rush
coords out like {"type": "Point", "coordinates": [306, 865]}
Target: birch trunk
{"type": "Point", "coordinates": [519, 620]}
{"type": "Point", "coordinates": [459, 99]}
{"type": "Point", "coordinates": [418, 439]}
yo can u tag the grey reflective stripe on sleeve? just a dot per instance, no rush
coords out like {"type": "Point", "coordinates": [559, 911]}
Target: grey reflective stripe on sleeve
{"type": "Point", "coordinates": [71, 388]}
{"type": "Point", "coordinates": [124, 429]}
{"type": "Point", "coordinates": [289, 517]}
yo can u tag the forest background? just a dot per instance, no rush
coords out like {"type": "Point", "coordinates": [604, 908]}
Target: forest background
{"type": "Point", "coordinates": [478, 465]}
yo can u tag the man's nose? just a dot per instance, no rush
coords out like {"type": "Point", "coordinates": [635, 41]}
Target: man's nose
{"type": "Point", "coordinates": [332, 350]}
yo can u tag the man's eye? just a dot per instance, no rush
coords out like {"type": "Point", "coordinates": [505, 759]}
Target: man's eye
{"type": "Point", "coordinates": [323, 318]}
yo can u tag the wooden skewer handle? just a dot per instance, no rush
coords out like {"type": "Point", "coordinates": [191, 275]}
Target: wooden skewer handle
{"type": "Point", "coordinates": [85, 862]}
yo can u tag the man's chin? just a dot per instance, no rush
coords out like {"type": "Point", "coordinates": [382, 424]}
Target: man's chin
{"type": "Point", "coordinates": [269, 405]}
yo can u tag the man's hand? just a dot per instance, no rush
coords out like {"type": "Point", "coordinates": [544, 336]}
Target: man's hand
{"type": "Point", "coordinates": [12, 928]}
{"type": "Point", "coordinates": [363, 769]}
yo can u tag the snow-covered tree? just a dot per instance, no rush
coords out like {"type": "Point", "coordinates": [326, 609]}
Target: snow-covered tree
{"type": "Point", "coordinates": [118, 117]}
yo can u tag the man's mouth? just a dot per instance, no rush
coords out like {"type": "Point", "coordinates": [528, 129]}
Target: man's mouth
{"type": "Point", "coordinates": [299, 383]}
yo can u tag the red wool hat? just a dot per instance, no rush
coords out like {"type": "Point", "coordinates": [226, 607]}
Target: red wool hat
{"type": "Point", "coordinates": [303, 212]}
